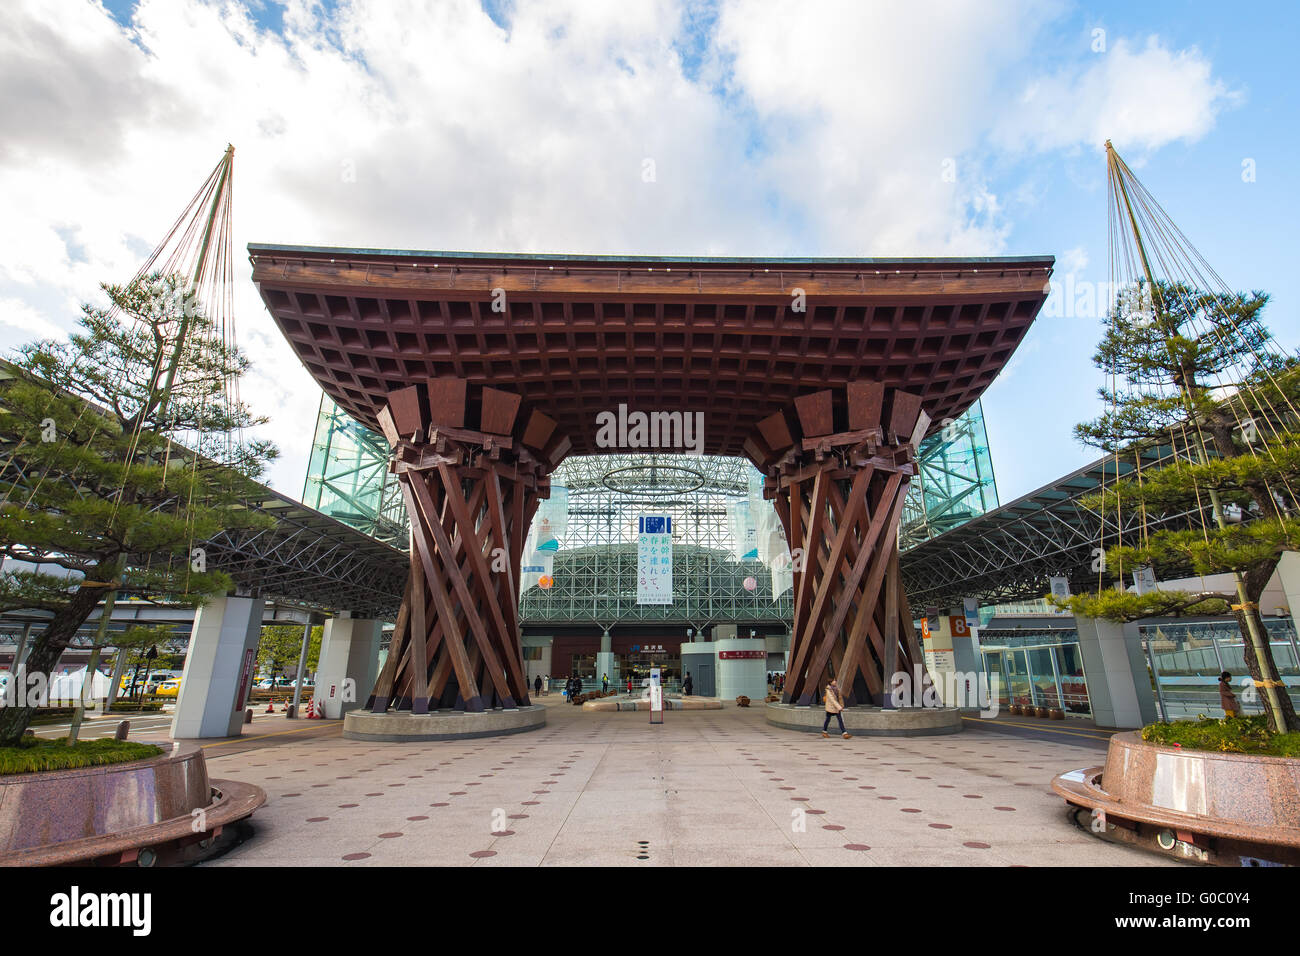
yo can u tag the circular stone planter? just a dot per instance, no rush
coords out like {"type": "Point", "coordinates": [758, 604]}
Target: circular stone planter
{"type": "Point", "coordinates": [870, 721]}
{"type": "Point", "coordinates": [1201, 805]}
{"type": "Point", "coordinates": [113, 814]}
{"type": "Point", "coordinates": [441, 724]}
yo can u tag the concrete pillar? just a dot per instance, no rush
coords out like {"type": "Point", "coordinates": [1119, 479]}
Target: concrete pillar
{"type": "Point", "coordinates": [1119, 689]}
{"type": "Point", "coordinates": [219, 668]}
{"type": "Point", "coordinates": [605, 660]}
{"type": "Point", "coordinates": [1288, 576]}
{"type": "Point", "coordinates": [20, 652]}
{"type": "Point", "coordinates": [349, 652]}
{"type": "Point", "coordinates": [741, 668]}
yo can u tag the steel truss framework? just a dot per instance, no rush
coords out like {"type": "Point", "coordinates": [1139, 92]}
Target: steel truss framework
{"type": "Point", "coordinates": [954, 481]}
{"type": "Point", "coordinates": [304, 556]}
{"type": "Point", "coordinates": [348, 477]}
{"type": "Point", "coordinates": [595, 567]}
{"type": "Point", "coordinates": [1010, 553]}
{"type": "Point", "coordinates": [312, 559]}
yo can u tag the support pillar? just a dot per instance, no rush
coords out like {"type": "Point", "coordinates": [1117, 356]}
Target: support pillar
{"type": "Point", "coordinates": [838, 465]}
{"type": "Point", "coordinates": [219, 668]}
{"type": "Point", "coordinates": [472, 470]}
{"type": "Point", "coordinates": [1288, 575]}
{"type": "Point", "coordinates": [20, 651]}
{"type": "Point", "coordinates": [1119, 690]}
{"type": "Point", "coordinates": [605, 660]}
{"type": "Point", "coordinates": [349, 663]}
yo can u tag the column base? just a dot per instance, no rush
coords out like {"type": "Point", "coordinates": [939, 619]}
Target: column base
{"type": "Point", "coordinates": [442, 725]}
{"type": "Point", "coordinates": [870, 721]}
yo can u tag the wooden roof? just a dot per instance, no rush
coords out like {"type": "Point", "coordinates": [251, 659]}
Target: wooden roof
{"type": "Point", "coordinates": [578, 335]}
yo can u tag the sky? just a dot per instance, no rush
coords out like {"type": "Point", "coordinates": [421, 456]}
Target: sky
{"type": "Point", "coordinates": [800, 128]}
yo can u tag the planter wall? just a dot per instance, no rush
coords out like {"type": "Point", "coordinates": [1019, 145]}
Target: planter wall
{"type": "Point", "coordinates": [1221, 808]}
{"type": "Point", "coordinates": [40, 809]}
{"type": "Point", "coordinates": [1256, 791]}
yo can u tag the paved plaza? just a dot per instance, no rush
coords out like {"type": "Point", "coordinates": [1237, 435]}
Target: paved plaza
{"type": "Point", "coordinates": [704, 788]}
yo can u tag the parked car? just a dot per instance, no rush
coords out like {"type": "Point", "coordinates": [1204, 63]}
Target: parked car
{"type": "Point", "coordinates": [169, 688]}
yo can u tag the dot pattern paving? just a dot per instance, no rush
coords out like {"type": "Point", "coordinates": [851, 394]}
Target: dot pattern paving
{"type": "Point", "coordinates": [704, 788]}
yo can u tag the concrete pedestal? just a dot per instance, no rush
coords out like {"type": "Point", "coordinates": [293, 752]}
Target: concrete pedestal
{"type": "Point", "coordinates": [219, 668]}
{"type": "Point", "coordinates": [870, 721]}
{"type": "Point", "coordinates": [349, 664]}
{"type": "Point", "coordinates": [442, 725]}
{"type": "Point", "coordinates": [1119, 688]}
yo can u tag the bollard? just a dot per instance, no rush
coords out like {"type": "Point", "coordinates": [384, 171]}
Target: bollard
{"type": "Point", "coordinates": [248, 715]}
{"type": "Point", "coordinates": [123, 730]}
{"type": "Point", "coordinates": [290, 711]}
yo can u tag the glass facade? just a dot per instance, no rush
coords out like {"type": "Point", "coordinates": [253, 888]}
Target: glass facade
{"type": "Point", "coordinates": [1037, 668]}
{"type": "Point", "coordinates": [722, 549]}
{"type": "Point", "coordinates": [1185, 660]}
{"type": "Point", "coordinates": [348, 479]}
{"type": "Point", "coordinates": [955, 483]}
{"type": "Point", "coordinates": [729, 553]}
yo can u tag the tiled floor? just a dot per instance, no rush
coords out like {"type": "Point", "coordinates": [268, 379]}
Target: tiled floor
{"type": "Point", "coordinates": [705, 787]}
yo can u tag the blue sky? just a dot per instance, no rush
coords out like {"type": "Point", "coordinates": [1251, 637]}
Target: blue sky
{"type": "Point", "coordinates": [814, 128]}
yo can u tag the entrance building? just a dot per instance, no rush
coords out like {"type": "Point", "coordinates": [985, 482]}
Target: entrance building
{"type": "Point", "coordinates": [484, 373]}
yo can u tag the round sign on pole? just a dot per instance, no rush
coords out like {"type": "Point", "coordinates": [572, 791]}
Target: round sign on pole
{"type": "Point", "coordinates": [751, 583]}
{"type": "Point", "coordinates": [545, 582]}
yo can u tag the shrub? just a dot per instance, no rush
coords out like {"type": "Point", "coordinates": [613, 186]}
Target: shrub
{"type": "Point", "coordinates": [34, 754]}
{"type": "Point", "coordinates": [1236, 735]}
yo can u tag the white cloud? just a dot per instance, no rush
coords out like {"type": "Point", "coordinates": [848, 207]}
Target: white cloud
{"type": "Point", "coordinates": [1141, 99]}
{"type": "Point", "coordinates": [16, 314]}
{"type": "Point", "coordinates": [811, 128]}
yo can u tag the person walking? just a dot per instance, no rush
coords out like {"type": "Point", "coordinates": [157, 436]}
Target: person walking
{"type": "Point", "coordinates": [834, 704]}
{"type": "Point", "coordinates": [1227, 699]}
{"type": "Point", "coordinates": [687, 686]}
{"type": "Point", "coordinates": [604, 683]}
{"type": "Point", "coordinates": [537, 685]}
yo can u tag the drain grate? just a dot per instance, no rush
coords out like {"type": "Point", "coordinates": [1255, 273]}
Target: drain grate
{"type": "Point", "coordinates": [643, 849]}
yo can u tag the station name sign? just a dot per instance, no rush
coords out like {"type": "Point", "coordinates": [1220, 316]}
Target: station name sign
{"type": "Point", "coordinates": [742, 655]}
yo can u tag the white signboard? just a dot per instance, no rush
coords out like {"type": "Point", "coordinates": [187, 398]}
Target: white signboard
{"type": "Point", "coordinates": [971, 609]}
{"type": "Point", "coordinates": [1144, 580]}
{"type": "Point", "coordinates": [654, 560]}
{"type": "Point", "coordinates": [656, 697]}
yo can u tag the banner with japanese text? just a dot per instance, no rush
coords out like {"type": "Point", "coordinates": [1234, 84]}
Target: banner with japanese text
{"type": "Point", "coordinates": [654, 560]}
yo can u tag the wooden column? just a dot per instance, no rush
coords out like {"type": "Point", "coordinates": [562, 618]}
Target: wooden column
{"type": "Point", "coordinates": [472, 470]}
{"type": "Point", "coordinates": [838, 468]}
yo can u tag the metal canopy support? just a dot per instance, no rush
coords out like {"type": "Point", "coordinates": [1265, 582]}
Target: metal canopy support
{"type": "Point", "coordinates": [1009, 554]}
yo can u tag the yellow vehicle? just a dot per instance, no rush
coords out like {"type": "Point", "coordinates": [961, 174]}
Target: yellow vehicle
{"type": "Point", "coordinates": [169, 688]}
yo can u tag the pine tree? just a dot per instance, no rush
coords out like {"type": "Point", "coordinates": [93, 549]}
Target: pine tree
{"type": "Point", "coordinates": [280, 646]}
{"type": "Point", "coordinates": [123, 452]}
{"type": "Point", "coordinates": [1193, 369]}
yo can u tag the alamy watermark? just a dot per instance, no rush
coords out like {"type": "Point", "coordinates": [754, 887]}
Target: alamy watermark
{"type": "Point", "coordinates": [966, 690]}
{"type": "Point", "coordinates": [624, 429]}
